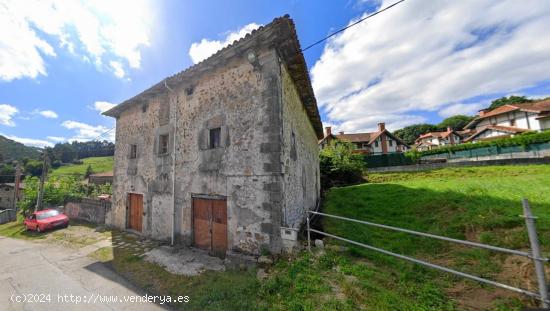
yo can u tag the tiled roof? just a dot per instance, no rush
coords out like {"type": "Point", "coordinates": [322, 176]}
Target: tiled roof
{"type": "Point", "coordinates": [355, 138]}
{"type": "Point", "coordinates": [542, 106]}
{"type": "Point", "coordinates": [507, 129]}
{"type": "Point", "coordinates": [280, 33]}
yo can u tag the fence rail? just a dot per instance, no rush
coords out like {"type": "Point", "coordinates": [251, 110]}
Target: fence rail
{"type": "Point", "coordinates": [534, 254]}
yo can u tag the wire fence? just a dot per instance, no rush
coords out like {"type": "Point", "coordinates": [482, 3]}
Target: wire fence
{"type": "Point", "coordinates": [534, 253]}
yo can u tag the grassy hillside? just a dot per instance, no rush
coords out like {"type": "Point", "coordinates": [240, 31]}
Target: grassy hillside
{"type": "Point", "coordinates": [12, 150]}
{"type": "Point", "coordinates": [99, 165]}
{"type": "Point", "coordinates": [478, 204]}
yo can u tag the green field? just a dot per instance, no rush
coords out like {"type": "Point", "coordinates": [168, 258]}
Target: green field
{"type": "Point", "coordinates": [476, 203]}
{"type": "Point", "coordinates": [99, 165]}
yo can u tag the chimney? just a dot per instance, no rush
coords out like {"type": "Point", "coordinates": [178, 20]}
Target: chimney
{"type": "Point", "coordinates": [342, 133]}
{"type": "Point", "coordinates": [482, 112]}
{"type": "Point", "coordinates": [449, 129]}
{"type": "Point", "coordinates": [381, 126]}
{"type": "Point", "coordinates": [328, 131]}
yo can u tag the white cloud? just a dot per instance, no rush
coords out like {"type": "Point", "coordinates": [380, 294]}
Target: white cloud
{"type": "Point", "coordinates": [48, 114]}
{"type": "Point", "coordinates": [431, 56]}
{"type": "Point", "coordinates": [85, 132]}
{"type": "Point", "coordinates": [56, 139]}
{"type": "Point", "coordinates": [464, 109]}
{"type": "Point", "coordinates": [117, 69]}
{"type": "Point", "coordinates": [6, 114]}
{"type": "Point", "coordinates": [30, 141]}
{"type": "Point", "coordinates": [102, 106]}
{"type": "Point", "coordinates": [203, 49]}
{"type": "Point", "coordinates": [96, 30]}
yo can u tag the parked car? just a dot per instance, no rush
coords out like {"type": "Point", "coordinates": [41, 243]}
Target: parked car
{"type": "Point", "coordinates": [45, 220]}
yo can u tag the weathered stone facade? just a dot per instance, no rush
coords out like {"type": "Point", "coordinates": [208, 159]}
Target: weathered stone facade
{"type": "Point", "coordinates": [265, 164]}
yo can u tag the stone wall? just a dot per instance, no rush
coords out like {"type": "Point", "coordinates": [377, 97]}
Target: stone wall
{"type": "Point", "coordinates": [300, 157]}
{"type": "Point", "coordinates": [89, 210]}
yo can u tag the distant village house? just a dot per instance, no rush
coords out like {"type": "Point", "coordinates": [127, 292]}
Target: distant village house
{"type": "Point", "coordinates": [509, 120]}
{"type": "Point", "coordinates": [379, 142]}
{"type": "Point", "coordinates": [433, 140]}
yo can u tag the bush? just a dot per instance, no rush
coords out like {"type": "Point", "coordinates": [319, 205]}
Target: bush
{"type": "Point", "coordinates": [77, 161]}
{"type": "Point", "coordinates": [59, 190]}
{"type": "Point", "coordinates": [340, 166]}
{"type": "Point", "coordinates": [523, 139]}
{"type": "Point", "coordinates": [56, 164]}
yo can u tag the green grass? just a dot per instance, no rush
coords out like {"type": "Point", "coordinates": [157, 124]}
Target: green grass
{"type": "Point", "coordinates": [475, 203]}
{"type": "Point", "coordinates": [99, 165]}
{"type": "Point", "coordinates": [16, 230]}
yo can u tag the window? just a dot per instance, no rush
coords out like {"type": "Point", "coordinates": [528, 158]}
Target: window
{"type": "Point", "coordinates": [390, 142]}
{"type": "Point", "coordinates": [376, 143]}
{"type": "Point", "coordinates": [133, 151]}
{"type": "Point", "coordinates": [214, 141]}
{"type": "Point", "coordinates": [163, 144]}
{"type": "Point", "coordinates": [512, 122]}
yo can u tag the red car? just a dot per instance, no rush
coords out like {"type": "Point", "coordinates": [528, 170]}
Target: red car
{"type": "Point", "coordinates": [46, 219]}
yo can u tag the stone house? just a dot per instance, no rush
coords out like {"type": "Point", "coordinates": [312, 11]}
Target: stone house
{"type": "Point", "coordinates": [433, 140]}
{"type": "Point", "coordinates": [222, 155]}
{"type": "Point", "coordinates": [379, 142]}
{"type": "Point", "coordinates": [509, 120]}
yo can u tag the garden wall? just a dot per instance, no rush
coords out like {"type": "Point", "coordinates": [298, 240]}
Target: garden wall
{"type": "Point", "coordinates": [87, 209]}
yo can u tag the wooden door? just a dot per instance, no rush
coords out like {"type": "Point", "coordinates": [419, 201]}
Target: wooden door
{"type": "Point", "coordinates": [135, 212]}
{"type": "Point", "coordinates": [210, 225]}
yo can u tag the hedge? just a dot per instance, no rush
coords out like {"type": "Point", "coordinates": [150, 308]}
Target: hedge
{"type": "Point", "coordinates": [523, 140]}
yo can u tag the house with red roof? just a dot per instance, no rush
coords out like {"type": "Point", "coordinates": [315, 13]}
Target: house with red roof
{"type": "Point", "coordinates": [433, 140]}
{"type": "Point", "coordinates": [379, 142]}
{"type": "Point", "coordinates": [510, 120]}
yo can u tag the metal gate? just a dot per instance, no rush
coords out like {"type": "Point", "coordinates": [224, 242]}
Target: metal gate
{"type": "Point", "coordinates": [534, 254]}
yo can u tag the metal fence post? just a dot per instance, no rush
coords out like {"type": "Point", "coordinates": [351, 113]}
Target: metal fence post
{"type": "Point", "coordinates": [535, 253]}
{"type": "Point", "coordinates": [308, 234]}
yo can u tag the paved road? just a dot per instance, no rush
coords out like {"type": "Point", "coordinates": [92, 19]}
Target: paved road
{"type": "Point", "coordinates": [39, 268]}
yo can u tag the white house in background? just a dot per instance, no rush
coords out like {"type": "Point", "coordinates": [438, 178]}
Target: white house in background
{"type": "Point", "coordinates": [509, 120]}
{"type": "Point", "coordinates": [379, 142]}
{"type": "Point", "coordinates": [433, 140]}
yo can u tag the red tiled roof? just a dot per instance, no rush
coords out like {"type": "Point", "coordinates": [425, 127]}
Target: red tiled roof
{"type": "Point", "coordinates": [508, 129]}
{"type": "Point", "coordinates": [355, 138]}
{"type": "Point", "coordinates": [540, 107]}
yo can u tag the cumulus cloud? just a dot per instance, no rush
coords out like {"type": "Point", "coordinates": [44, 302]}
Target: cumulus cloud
{"type": "Point", "coordinates": [431, 56]}
{"type": "Point", "coordinates": [98, 31]}
{"type": "Point", "coordinates": [6, 114]}
{"type": "Point", "coordinates": [102, 106]}
{"type": "Point", "coordinates": [203, 49]}
{"type": "Point", "coordinates": [30, 141]}
{"type": "Point", "coordinates": [86, 132]}
{"type": "Point", "coordinates": [48, 114]}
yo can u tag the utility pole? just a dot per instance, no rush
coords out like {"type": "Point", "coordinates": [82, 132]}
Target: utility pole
{"type": "Point", "coordinates": [17, 183]}
{"type": "Point", "coordinates": [42, 178]}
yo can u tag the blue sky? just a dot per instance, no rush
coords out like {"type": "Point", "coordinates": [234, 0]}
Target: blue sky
{"type": "Point", "coordinates": [62, 62]}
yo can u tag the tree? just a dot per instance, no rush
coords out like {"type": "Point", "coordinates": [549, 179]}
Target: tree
{"type": "Point", "coordinates": [89, 171]}
{"type": "Point", "coordinates": [455, 122]}
{"type": "Point", "coordinates": [509, 100]}
{"type": "Point", "coordinates": [410, 133]}
{"type": "Point", "coordinates": [339, 165]}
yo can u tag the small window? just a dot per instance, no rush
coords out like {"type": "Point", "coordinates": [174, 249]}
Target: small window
{"type": "Point", "coordinates": [163, 144]}
{"type": "Point", "coordinates": [133, 151]}
{"type": "Point", "coordinates": [391, 142]}
{"type": "Point", "coordinates": [215, 134]}
{"type": "Point", "coordinates": [376, 143]}
{"type": "Point", "coordinates": [512, 122]}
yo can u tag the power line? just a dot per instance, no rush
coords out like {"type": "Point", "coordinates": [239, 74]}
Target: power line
{"type": "Point", "coordinates": [349, 26]}
{"type": "Point", "coordinates": [106, 132]}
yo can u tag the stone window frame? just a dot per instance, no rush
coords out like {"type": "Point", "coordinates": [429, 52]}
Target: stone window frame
{"type": "Point", "coordinates": [163, 144]}
{"type": "Point", "coordinates": [215, 122]}
{"type": "Point", "coordinates": [165, 130]}
{"type": "Point", "coordinates": [214, 143]}
{"type": "Point", "coordinates": [133, 154]}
